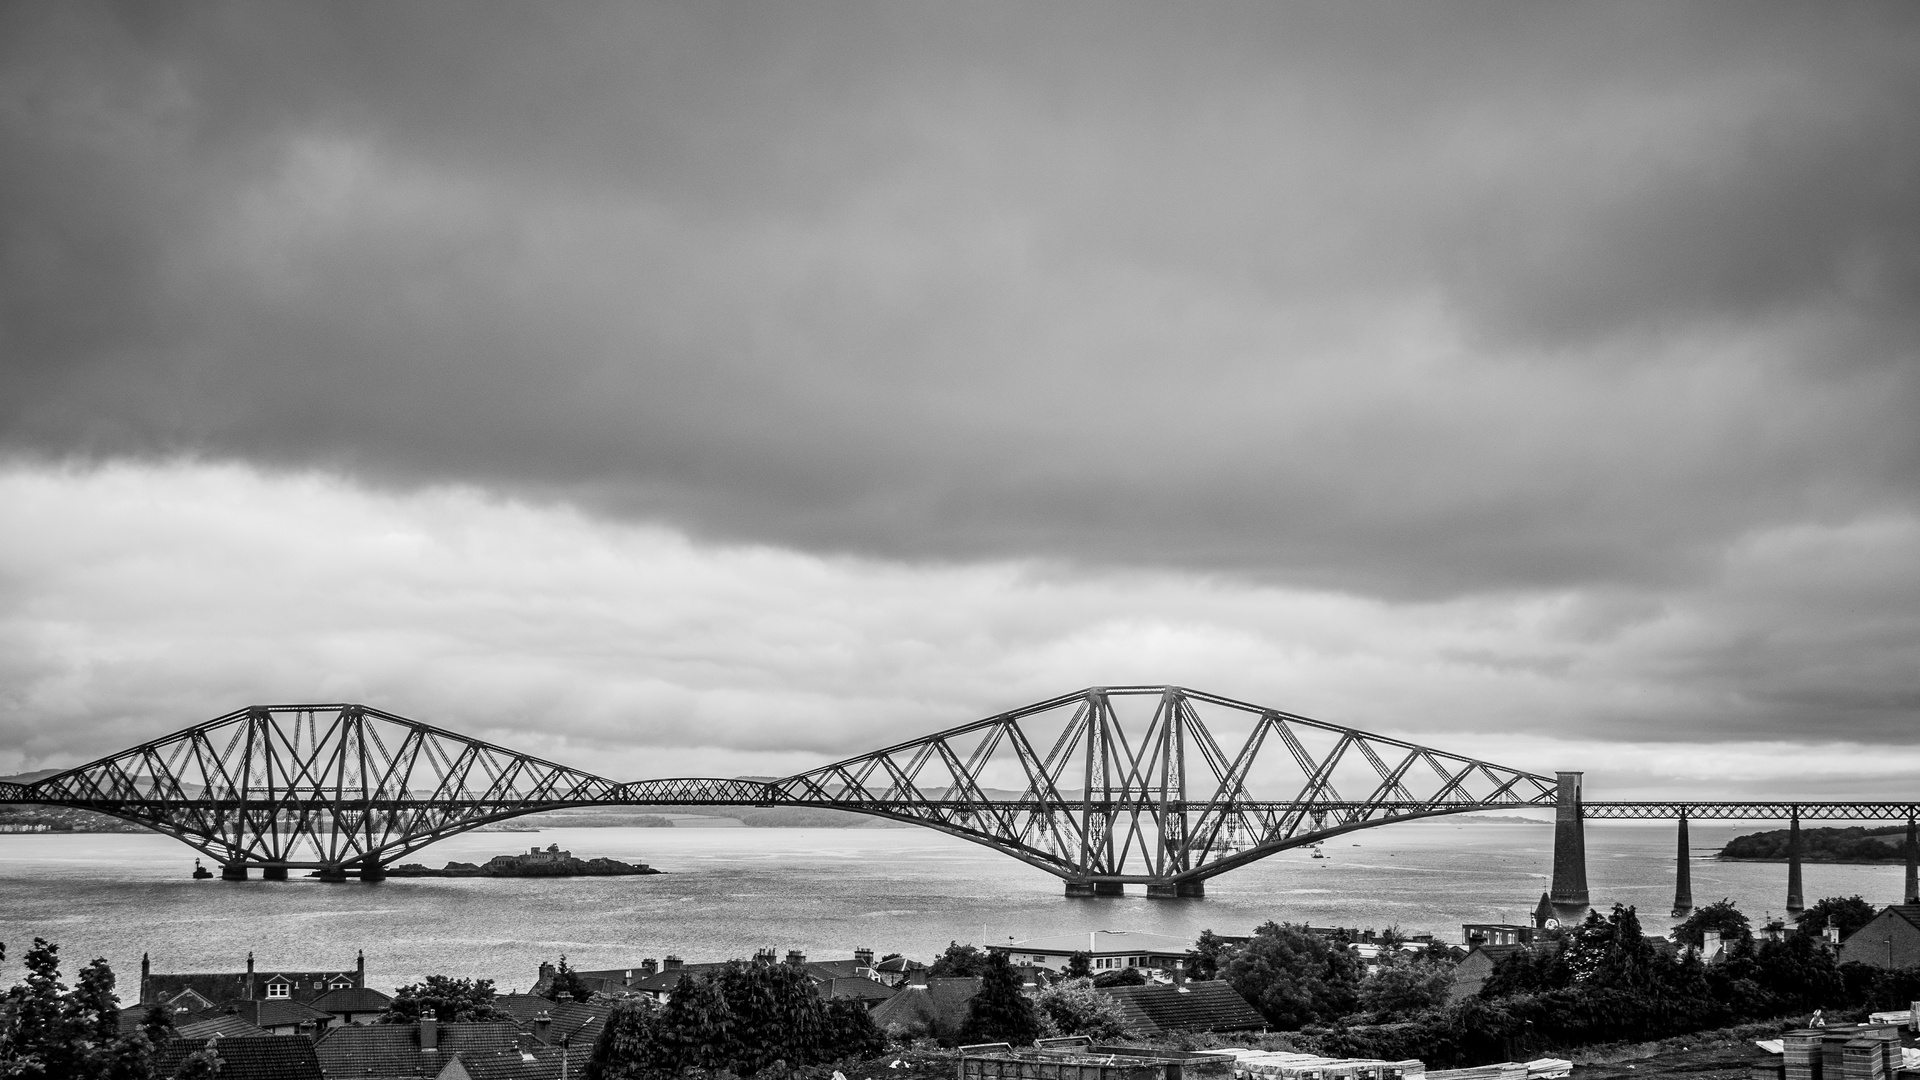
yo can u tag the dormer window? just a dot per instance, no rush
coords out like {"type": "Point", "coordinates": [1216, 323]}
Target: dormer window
{"type": "Point", "coordinates": [279, 990]}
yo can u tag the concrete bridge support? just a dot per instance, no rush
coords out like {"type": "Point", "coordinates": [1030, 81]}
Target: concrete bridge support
{"type": "Point", "coordinates": [1683, 875]}
{"type": "Point", "coordinates": [233, 872]}
{"type": "Point", "coordinates": [1176, 890]}
{"type": "Point", "coordinates": [1796, 896]}
{"type": "Point", "coordinates": [1096, 888]}
{"type": "Point", "coordinates": [1569, 893]}
{"type": "Point", "coordinates": [1911, 893]}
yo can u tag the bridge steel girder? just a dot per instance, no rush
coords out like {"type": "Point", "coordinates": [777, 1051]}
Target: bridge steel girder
{"type": "Point", "coordinates": [1130, 784]}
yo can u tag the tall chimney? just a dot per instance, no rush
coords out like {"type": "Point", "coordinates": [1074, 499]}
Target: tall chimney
{"type": "Point", "coordinates": [360, 970]}
{"type": "Point", "coordinates": [249, 974]}
{"type": "Point", "coordinates": [429, 1032]}
{"type": "Point", "coordinates": [146, 969]}
{"type": "Point", "coordinates": [542, 1025]}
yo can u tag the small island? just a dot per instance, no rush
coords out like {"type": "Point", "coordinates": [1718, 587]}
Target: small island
{"type": "Point", "coordinates": [1882, 845]}
{"type": "Point", "coordinates": [535, 863]}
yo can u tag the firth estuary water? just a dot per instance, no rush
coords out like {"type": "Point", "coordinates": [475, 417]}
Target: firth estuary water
{"type": "Point", "coordinates": [729, 891]}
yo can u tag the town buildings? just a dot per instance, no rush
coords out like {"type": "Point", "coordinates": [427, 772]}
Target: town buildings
{"type": "Point", "coordinates": [1106, 950]}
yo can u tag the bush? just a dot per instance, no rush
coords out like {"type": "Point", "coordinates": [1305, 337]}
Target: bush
{"type": "Point", "coordinates": [1293, 977]}
{"type": "Point", "coordinates": [1074, 1007]}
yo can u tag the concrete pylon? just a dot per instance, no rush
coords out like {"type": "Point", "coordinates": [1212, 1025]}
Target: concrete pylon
{"type": "Point", "coordinates": [1796, 896]}
{"type": "Point", "coordinates": [1569, 893]}
{"type": "Point", "coordinates": [1911, 894]}
{"type": "Point", "coordinates": [1683, 874]}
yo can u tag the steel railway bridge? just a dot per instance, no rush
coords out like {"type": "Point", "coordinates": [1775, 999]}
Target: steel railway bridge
{"type": "Point", "coordinates": [1159, 786]}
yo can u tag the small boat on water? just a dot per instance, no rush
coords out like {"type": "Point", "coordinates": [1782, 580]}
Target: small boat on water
{"type": "Point", "coordinates": [200, 872]}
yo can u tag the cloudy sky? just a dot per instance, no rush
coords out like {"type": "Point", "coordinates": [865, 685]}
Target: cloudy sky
{"type": "Point", "coordinates": [719, 388]}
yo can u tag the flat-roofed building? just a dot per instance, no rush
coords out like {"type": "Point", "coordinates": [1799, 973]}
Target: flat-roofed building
{"type": "Point", "coordinates": [1107, 950]}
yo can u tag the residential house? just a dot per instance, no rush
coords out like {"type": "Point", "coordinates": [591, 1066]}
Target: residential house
{"type": "Point", "coordinates": [575, 1023]}
{"type": "Point", "coordinates": [217, 1026]}
{"type": "Point", "coordinates": [1157, 1009]}
{"type": "Point", "coordinates": [1890, 940]}
{"type": "Point", "coordinates": [925, 1006]}
{"type": "Point", "coordinates": [277, 1017]}
{"type": "Point", "coordinates": [657, 980]}
{"type": "Point", "coordinates": [258, 1057]}
{"type": "Point", "coordinates": [1470, 974]}
{"type": "Point", "coordinates": [1107, 950]}
{"type": "Point", "coordinates": [194, 991]}
{"type": "Point", "coordinates": [895, 969]}
{"type": "Point", "coordinates": [1496, 934]}
{"type": "Point", "coordinates": [530, 1060]}
{"type": "Point", "coordinates": [352, 1005]}
{"type": "Point", "coordinates": [408, 1051]}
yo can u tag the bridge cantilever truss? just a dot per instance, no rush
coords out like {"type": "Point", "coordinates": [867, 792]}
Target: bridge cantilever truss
{"type": "Point", "coordinates": [1137, 784]}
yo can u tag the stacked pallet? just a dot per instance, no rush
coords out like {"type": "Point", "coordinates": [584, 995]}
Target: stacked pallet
{"type": "Point", "coordinates": [1506, 1070]}
{"type": "Point", "coordinates": [1283, 1065]}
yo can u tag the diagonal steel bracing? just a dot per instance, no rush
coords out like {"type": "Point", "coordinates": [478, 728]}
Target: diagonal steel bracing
{"type": "Point", "coordinates": [1153, 784]}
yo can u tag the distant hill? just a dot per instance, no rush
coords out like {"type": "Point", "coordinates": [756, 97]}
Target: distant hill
{"type": "Point", "coordinates": [1850, 845]}
{"type": "Point", "coordinates": [30, 777]}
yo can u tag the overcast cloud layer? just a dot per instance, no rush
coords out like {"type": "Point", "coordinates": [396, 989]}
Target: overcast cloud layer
{"type": "Point", "coordinates": [1529, 370]}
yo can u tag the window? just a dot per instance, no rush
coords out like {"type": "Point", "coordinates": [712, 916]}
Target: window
{"type": "Point", "coordinates": [279, 989]}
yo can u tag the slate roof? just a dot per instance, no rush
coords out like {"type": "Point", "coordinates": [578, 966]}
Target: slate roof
{"type": "Point", "coordinates": [859, 987]}
{"type": "Point", "coordinates": [259, 1057]}
{"type": "Point", "coordinates": [280, 1012]}
{"type": "Point", "coordinates": [534, 1063]}
{"type": "Point", "coordinates": [371, 1051]}
{"type": "Point", "coordinates": [1158, 1008]}
{"type": "Point", "coordinates": [577, 1021]}
{"type": "Point", "coordinates": [360, 999]}
{"type": "Point", "coordinates": [941, 1003]}
{"type": "Point", "coordinates": [225, 1025]}
{"type": "Point", "coordinates": [219, 986]}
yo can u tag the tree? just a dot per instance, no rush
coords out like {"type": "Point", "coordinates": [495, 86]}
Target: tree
{"type": "Point", "coordinates": [1000, 1012]}
{"type": "Point", "coordinates": [48, 1030]}
{"type": "Point", "coordinates": [1203, 960]}
{"type": "Point", "coordinates": [1293, 977]}
{"type": "Point", "coordinates": [963, 961]}
{"type": "Point", "coordinates": [696, 1027]}
{"type": "Point", "coordinates": [776, 1016]}
{"type": "Point", "coordinates": [1849, 913]}
{"type": "Point", "coordinates": [1720, 916]}
{"type": "Point", "coordinates": [201, 1065]}
{"type": "Point", "coordinates": [450, 1000]}
{"type": "Point", "coordinates": [566, 984]}
{"type": "Point", "coordinates": [1079, 966]}
{"type": "Point", "coordinates": [628, 1046]}
{"type": "Point", "coordinates": [1074, 1007]}
{"type": "Point", "coordinates": [1404, 985]}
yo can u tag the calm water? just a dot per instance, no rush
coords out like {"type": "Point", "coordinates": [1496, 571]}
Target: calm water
{"type": "Point", "coordinates": [729, 891]}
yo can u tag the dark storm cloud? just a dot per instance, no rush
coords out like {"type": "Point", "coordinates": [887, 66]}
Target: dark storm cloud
{"type": "Point", "coordinates": [1411, 301]}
